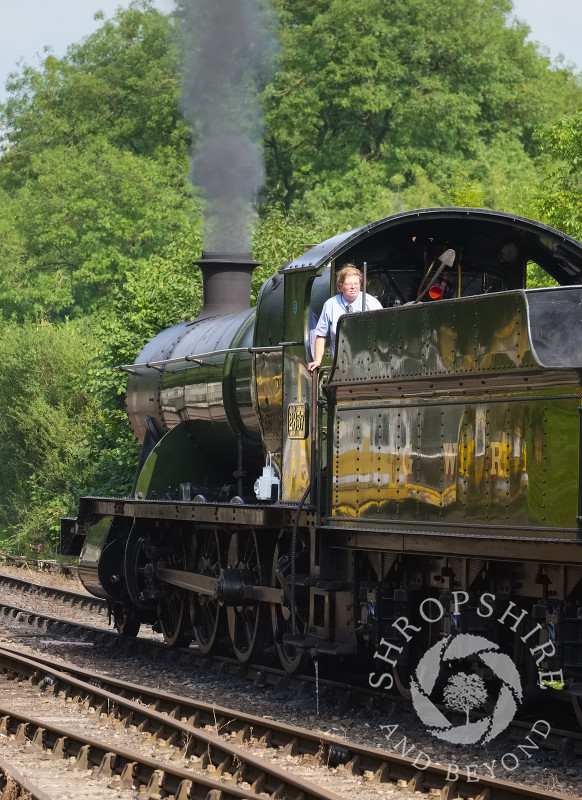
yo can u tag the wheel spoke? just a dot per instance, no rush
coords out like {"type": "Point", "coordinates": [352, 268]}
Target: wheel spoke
{"type": "Point", "coordinates": [173, 610]}
{"type": "Point", "coordinates": [246, 623]}
{"type": "Point", "coordinates": [292, 659]}
{"type": "Point", "coordinates": [206, 614]}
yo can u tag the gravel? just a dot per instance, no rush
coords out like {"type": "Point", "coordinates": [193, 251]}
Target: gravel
{"type": "Point", "coordinates": [544, 769]}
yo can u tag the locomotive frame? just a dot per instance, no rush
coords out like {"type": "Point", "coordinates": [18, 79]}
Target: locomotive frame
{"type": "Point", "coordinates": [437, 457]}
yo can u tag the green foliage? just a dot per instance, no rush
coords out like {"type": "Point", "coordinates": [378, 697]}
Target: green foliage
{"type": "Point", "coordinates": [280, 237]}
{"type": "Point", "coordinates": [464, 192]}
{"type": "Point", "coordinates": [121, 83]}
{"type": "Point", "coordinates": [92, 175]}
{"type": "Point", "coordinates": [558, 201]}
{"type": "Point", "coordinates": [351, 199]}
{"type": "Point", "coordinates": [79, 223]}
{"type": "Point", "coordinates": [538, 277]}
{"type": "Point", "coordinates": [96, 216]}
{"type": "Point", "coordinates": [44, 421]}
{"type": "Point", "coordinates": [157, 293]}
{"type": "Point", "coordinates": [396, 90]}
{"type": "Point", "coordinates": [502, 176]}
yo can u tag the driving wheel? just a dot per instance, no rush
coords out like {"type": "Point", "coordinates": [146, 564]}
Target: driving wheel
{"type": "Point", "coordinates": [247, 623]}
{"type": "Point", "coordinates": [173, 608]}
{"type": "Point", "coordinates": [292, 659]}
{"type": "Point", "coordinates": [137, 570]}
{"type": "Point", "coordinates": [208, 617]}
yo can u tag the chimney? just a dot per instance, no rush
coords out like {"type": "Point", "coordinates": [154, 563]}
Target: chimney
{"type": "Point", "coordinates": [226, 281]}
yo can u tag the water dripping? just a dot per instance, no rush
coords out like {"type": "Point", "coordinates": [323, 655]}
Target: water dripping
{"type": "Point", "coordinates": [316, 665]}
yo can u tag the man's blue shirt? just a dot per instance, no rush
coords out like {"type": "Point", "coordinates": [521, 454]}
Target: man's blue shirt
{"type": "Point", "coordinates": [336, 307]}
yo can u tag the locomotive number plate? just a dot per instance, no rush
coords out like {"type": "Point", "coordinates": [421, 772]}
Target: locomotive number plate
{"type": "Point", "coordinates": [297, 420]}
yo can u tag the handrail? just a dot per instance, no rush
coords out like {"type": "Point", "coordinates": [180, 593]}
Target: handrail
{"type": "Point", "coordinates": [197, 358]}
{"type": "Point", "coordinates": [316, 432]}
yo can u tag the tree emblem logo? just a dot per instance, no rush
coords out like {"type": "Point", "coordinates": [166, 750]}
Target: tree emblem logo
{"type": "Point", "coordinates": [464, 690]}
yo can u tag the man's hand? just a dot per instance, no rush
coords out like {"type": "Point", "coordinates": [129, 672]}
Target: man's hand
{"type": "Point", "coordinates": [318, 351]}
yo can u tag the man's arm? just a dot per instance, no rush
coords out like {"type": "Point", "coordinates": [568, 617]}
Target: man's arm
{"type": "Point", "coordinates": [319, 348]}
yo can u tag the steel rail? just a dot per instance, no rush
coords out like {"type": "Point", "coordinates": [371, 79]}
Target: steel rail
{"type": "Point", "coordinates": [15, 786]}
{"type": "Point", "coordinates": [108, 760]}
{"type": "Point", "coordinates": [262, 674]}
{"type": "Point", "coordinates": [211, 750]}
{"type": "Point", "coordinates": [381, 765]}
{"type": "Point", "coordinates": [50, 622]}
{"type": "Point", "coordinates": [68, 596]}
{"type": "Point", "coordinates": [265, 676]}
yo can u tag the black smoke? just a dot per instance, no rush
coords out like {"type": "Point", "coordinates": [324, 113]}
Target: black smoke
{"type": "Point", "coordinates": [231, 50]}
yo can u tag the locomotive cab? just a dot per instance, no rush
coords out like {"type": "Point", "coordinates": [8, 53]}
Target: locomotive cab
{"type": "Point", "coordinates": [416, 257]}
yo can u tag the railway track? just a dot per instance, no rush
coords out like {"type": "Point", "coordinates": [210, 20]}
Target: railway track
{"type": "Point", "coordinates": [289, 739]}
{"type": "Point", "coordinates": [303, 746]}
{"type": "Point", "coordinates": [124, 769]}
{"type": "Point", "coordinates": [342, 692]}
{"type": "Point", "coordinates": [195, 743]}
{"type": "Point", "coordinates": [67, 597]}
{"type": "Point", "coordinates": [81, 632]}
{"type": "Point", "coordinates": [204, 733]}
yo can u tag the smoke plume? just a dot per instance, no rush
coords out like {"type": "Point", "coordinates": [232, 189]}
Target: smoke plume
{"type": "Point", "coordinates": [231, 55]}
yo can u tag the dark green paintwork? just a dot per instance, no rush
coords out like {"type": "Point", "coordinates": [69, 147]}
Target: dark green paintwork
{"type": "Point", "coordinates": [442, 414]}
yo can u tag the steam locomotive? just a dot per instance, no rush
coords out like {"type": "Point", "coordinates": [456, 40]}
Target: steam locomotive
{"type": "Point", "coordinates": [435, 460]}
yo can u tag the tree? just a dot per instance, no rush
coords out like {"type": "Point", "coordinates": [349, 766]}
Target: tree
{"type": "Point", "coordinates": [93, 171]}
{"type": "Point", "coordinates": [558, 199]}
{"type": "Point", "coordinates": [279, 237]}
{"type": "Point", "coordinates": [157, 293]}
{"type": "Point", "coordinates": [98, 220]}
{"type": "Point", "coordinates": [394, 93]}
{"type": "Point", "coordinates": [44, 422]}
{"type": "Point", "coordinates": [121, 82]}
{"type": "Point", "coordinates": [80, 223]}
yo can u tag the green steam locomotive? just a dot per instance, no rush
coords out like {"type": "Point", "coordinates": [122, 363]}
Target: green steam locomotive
{"type": "Point", "coordinates": [433, 461]}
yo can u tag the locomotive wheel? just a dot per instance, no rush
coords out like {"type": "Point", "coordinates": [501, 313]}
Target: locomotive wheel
{"type": "Point", "coordinates": [173, 610]}
{"type": "Point", "coordinates": [247, 624]}
{"type": "Point", "coordinates": [135, 567]}
{"type": "Point", "coordinates": [174, 616]}
{"type": "Point", "coordinates": [292, 659]}
{"type": "Point", "coordinates": [125, 621]}
{"type": "Point", "coordinates": [207, 616]}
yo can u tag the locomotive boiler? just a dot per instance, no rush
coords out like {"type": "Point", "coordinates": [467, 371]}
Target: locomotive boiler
{"type": "Point", "coordinates": [435, 459]}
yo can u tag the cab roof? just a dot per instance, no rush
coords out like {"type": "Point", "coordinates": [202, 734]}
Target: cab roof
{"type": "Point", "coordinates": [557, 253]}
